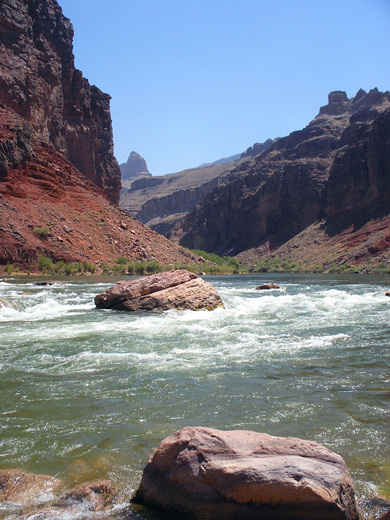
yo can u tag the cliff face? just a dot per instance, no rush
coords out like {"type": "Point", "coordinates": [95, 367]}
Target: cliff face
{"type": "Point", "coordinates": [339, 162]}
{"type": "Point", "coordinates": [40, 189]}
{"type": "Point", "coordinates": [38, 81]}
{"type": "Point", "coordinates": [161, 202]}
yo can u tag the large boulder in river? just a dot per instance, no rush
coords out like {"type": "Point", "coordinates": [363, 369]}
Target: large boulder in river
{"type": "Point", "coordinates": [267, 286]}
{"type": "Point", "coordinates": [202, 473]}
{"type": "Point", "coordinates": [178, 289]}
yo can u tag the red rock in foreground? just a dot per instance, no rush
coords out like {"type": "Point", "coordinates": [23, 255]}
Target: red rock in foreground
{"type": "Point", "coordinates": [178, 289]}
{"type": "Point", "coordinates": [204, 473]}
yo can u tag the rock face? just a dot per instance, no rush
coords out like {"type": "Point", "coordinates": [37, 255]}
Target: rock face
{"type": "Point", "coordinates": [99, 494]}
{"type": "Point", "coordinates": [267, 286]}
{"type": "Point", "coordinates": [38, 80]}
{"type": "Point", "coordinates": [34, 495]}
{"type": "Point", "coordinates": [336, 168]}
{"type": "Point", "coordinates": [179, 289]}
{"type": "Point", "coordinates": [134, 167]}
{"type": "Point", "coordinates": [161, 202]}
{"type": "Point", "coordinates": [258, 148]}
{"type": "Point", "coordinates": [19, 486]}
{"type": "Point", "coordinates": [41, 190]}
{"type": "Point", "coordinates": [204, 473]}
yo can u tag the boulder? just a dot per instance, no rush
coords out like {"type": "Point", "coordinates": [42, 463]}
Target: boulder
{"type": "Point", "coordinates": [203, 473]}
{"type": "Point", "coordinates": [178, 289]}
{"type": "Point", "coordinates": [97, 495]}
{"type": "Point", "coordinates": [267, 286]}
{"type": "Point", "coordinates": [19, 486]}
{"type": "Point", "coordinates": [388, 293]}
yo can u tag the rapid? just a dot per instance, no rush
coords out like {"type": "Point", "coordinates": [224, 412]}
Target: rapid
{"type": "Point", "coordinates": [89, 393]}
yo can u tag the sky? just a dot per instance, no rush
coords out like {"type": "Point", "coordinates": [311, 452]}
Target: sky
{"type": "Point", "coordinates": [193, 81]}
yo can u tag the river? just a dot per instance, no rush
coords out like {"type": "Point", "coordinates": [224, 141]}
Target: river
{"type": "Point", "coordinates": [89, 393]}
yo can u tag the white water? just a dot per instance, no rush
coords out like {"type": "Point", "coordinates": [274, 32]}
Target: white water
{"type": "Point", "coordinates": [89, 393]}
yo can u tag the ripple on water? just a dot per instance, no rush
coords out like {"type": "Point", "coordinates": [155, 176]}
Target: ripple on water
{"type": "Point", "coordinates": [81, 385]}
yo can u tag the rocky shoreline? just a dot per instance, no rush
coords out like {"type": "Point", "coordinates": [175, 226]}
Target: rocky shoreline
{"type": "Point", "coordinates": [202, 473]}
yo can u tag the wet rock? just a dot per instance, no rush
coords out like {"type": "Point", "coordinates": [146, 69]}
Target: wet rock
{"type": "Point", "coordinates": [204, 473]}
{"type": "Point", "coordinates": [19, 486]}
{"type": "Point", "coordinates": [388, 293]}
{"type": "Point", "coordinates": [98, 494]}
{"type": "Point", "coordinates": [178, 289]}
{"type": "Point", "coordinates": [267, 286]}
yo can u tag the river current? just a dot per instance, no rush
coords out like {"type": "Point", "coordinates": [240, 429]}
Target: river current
{"type": "Point", "coordinates": [89, 393]}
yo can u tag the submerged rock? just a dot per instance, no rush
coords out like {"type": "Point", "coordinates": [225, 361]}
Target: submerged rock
{"type": "Point", "coordinates": [98, 494]}
{"type": "Point", "coordinates": [36, 494]}
{"type": "Point", "coordinates": [204, 473]}
{"type": "Point", "coordinates": [178, 289]}
{"type": "Point", "coordinates": [267, 286]}
{"type": "Point", "coordinates": [20, 486]}
{"type": "Point", "coordinates": [388, 293]}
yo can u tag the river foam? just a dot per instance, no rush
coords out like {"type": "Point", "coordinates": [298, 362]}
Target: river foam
{"type": "Point", "coordinates": [81, 386]}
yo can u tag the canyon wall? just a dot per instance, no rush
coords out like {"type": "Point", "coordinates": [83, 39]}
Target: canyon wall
{"type": "Point", "coordinates": [340, 159]}
{"type": "Point", "coordinates": [39, 81]}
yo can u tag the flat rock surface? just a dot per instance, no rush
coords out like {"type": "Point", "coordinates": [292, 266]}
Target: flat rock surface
{"type": "Point", "coordinates": [178, 289]}
{"type": "Point", "coordinates": [212, 474]}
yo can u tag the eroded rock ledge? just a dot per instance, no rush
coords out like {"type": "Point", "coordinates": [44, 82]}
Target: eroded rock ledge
{"type": "Point", "coordinates": [177, 289]}
{"type": "Point", "coordinates": [202, 473]}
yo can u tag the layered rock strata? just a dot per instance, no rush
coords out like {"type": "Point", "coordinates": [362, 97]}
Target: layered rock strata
{"type": "Point", "coordinates": [161, 202]}
{"type": "Point", "coordinates": [48, 208]}
{"type": "Point", "coordinates": [336, 168]}
{"type": "Point", "coordinates": [178, 289]}
{"type": "Point", "coordinates": [202, 473]}
{"type": "Point", "coordinates": [39, 81]}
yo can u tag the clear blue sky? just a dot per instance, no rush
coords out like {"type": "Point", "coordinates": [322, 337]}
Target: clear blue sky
{"type": "Point", "coordinates": [196, 80]}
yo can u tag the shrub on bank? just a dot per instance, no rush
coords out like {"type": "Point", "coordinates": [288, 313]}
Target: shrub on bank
{"type": "Point", "coordinates": [42, 232]}
{"type": "Point", "coordinates": [47, 266]}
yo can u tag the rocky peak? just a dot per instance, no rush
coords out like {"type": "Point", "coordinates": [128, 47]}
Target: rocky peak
{"type": "Point", "coordinates": [38, 80]}
{"type": "Point", "coordinates": [258, 148]}
{"type": "Point", "coordinates": [338, 103]}
{"type": "Point", "coordinates": [134, 167]}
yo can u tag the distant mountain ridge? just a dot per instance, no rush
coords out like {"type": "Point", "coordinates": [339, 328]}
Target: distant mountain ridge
{"type": "Point", "coordinates": [163, 201]}
{"type": "Point", "coordinates": [134, 168]}
{"type": "Point", "coordinates": [224, 160]}
{"type": "Point", "coordinates": [336, 172]}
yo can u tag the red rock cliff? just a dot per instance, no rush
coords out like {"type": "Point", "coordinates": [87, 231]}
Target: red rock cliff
{"type": "Point", "coordinates": [38, 80]}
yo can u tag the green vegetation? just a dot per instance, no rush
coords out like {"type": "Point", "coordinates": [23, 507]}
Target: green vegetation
{"type": "Point", "coordinates": [224, 264]}
{"type": "Point", "coordinates": [47, 266]}
{"type": "Point", "coordinates": [277, 265]}
{"type": "Point", "coordinates": [9, 269]}
{"type": "Point", "coordinates": [43, 232]}
{"type": "Point", "coordinates": [213, 265]}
